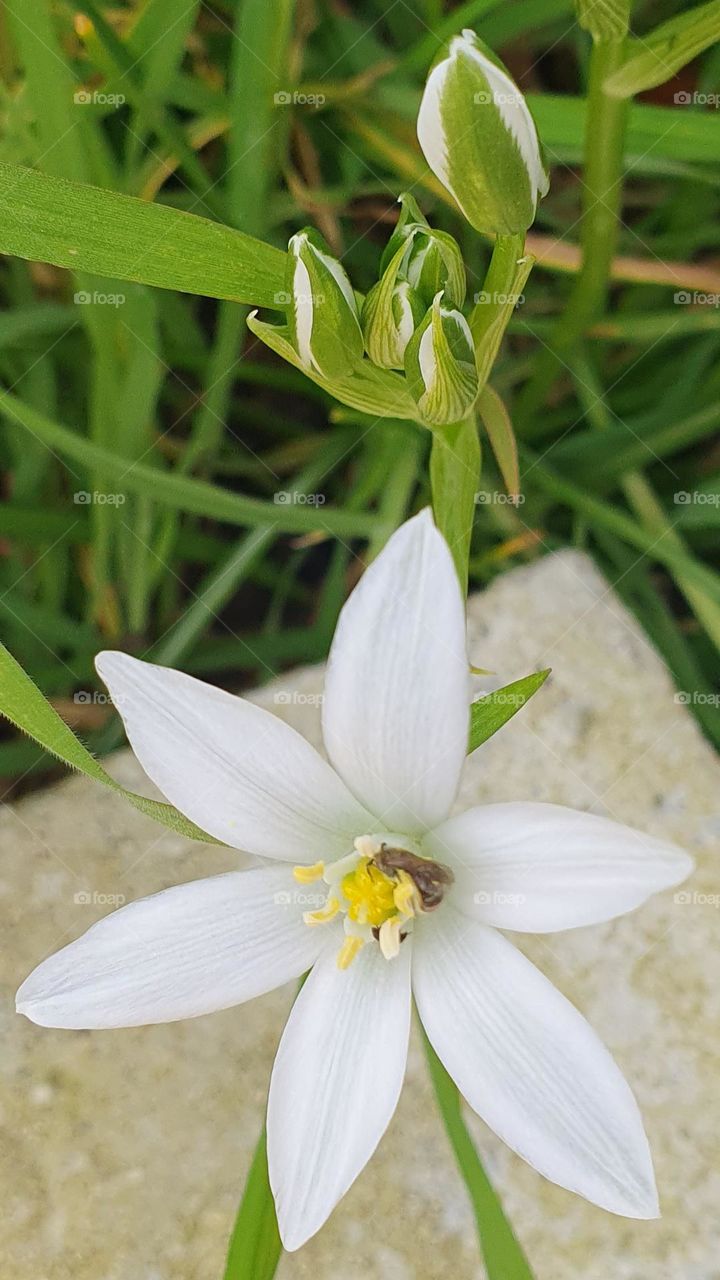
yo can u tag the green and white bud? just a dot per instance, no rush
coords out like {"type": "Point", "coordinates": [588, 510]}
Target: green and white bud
{"type": "Point", "coordinates": [322, 312]}
{"type": "Point", "coordinates": [391, 312]}
{"type": "Point", "coordinates": [479, 138]}
{"type": "Point", "coordinates": [440, 366]}
{"type": "Point", "coordinates": [433, 261]}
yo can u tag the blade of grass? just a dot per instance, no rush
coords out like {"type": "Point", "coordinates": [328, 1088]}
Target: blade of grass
{"type": "Point", "coordinates": [87, 228]}
{"type": "Point", "coordinates": [184, 494]}
{"type": "Point", "coordinates": [503, 1255]}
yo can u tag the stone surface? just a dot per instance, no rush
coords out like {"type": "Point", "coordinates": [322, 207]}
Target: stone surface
{"type": "Point", "coordinates": [123, 1153]}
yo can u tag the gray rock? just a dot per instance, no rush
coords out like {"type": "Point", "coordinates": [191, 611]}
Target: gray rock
{"type": "Point", "coordinates": [123, 1153]}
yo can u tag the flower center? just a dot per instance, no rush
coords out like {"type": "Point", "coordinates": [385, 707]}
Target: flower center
{"type": "Point", "coordinates": [379, 890]}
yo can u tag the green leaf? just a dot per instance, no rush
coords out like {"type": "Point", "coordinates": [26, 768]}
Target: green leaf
{"type": "Point", "coordinates": [255, 1244]}
{"type": "Point", "coordinates": [182, 493]}
{"type": "Point", "coordinates": [659, 55]}
{"type": "Point", "coordinates": [604, 19]}
{"type": "Point", "coordinates": [493, 710]}
{"type": "Point", "coordinates": [496, 421]}
{"type": "Point", "coordinates": [24, 705]}
{"type": "Point", "coordinates": [86, 228]}
{"type": "Point", "coordinates": [371, 390]}
{"type": "Point", "coordinates": [502, 1253]}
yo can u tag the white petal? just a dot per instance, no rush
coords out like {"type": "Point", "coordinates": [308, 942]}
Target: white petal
{"type": "Point", "coordinates": [239, 772]}
{"type": "Point", "coordinates": [530, 1065]}
{"type": "Point", "coordinates": [513, 109]}
{"type": "Point", "coordinates": [538, 868]}
{"type": "Point", "coordinates": [396, 710]}
{"type": "Point", "coordinates": [430, 126]}
{"type": "Point", "coordinates": [192, 949]}
{"type": "Point", "coordinates": [335, 1084]}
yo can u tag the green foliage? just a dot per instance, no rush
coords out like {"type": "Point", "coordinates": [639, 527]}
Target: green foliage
{"type": "Point", "coordinates": [129, 372]}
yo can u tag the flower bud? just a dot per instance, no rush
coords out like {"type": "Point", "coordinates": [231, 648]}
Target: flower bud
{"type": "Point", "coordinates": [433, 261]}
{"type": "Point", "coordinates": [391, 312]}
{"type": "Point", "coordinates": [322, 313]}
{"type": "Point", "coordinates": [440, 366]}
{"type": "Point", "coordinates": [479, 138]}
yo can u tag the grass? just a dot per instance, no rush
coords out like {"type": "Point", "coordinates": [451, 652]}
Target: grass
{"type": "Point", "coordinates": [162, 399]}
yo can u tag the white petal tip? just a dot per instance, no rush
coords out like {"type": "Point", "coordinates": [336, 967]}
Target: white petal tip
{"type": "Point", "coordinates": [645, 1208]}
{"type": "Point", "coordinates": [109, 660]}
{"type": "Point", "coordinates": [293, 1239]}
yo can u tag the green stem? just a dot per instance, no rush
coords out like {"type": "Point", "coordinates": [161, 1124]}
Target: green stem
{"type": "Point", "coordinates": [456, 456]}
{"type": "Point", "coordinates": [509, 269]}
{"type": "Point", "coordinates": [454, 473]}
{"type": "Point", "coordinates": [605, 125]}
{"type": "Point", "coordinates": [504, 1258]}
{"type": "Point", "coordinates": [255, 1245]}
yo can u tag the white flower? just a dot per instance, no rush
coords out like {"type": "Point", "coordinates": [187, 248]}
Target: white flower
{"type": "Point", "coordinates": [389, 895]}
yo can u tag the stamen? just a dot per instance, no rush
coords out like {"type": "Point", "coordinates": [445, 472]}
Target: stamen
{"type": "Point", "coordinates": [328, 912]}
{"type": "Point", "coordinates": [404, 895]}
{"type": "Point", "coordinates": [306, 875]}
{"type": "Point", "coordinates": [348, 951]}
{"type": "Point", "coordinates": [366, 846]}
{"type": "Point", "coordinates": [389, 937]}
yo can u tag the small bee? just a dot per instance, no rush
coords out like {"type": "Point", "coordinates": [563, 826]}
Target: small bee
{"type": "Point", "coordinates": [431, 879]}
